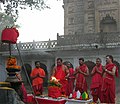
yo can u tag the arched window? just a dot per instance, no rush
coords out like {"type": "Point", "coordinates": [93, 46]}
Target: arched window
{"type": "Point", "coordinates": [108, 24]}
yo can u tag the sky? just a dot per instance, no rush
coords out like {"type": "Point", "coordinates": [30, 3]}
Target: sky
{"type": "Point", "coordinates": [41, 25]}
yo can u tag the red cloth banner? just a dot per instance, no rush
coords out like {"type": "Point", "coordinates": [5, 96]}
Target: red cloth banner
{"type": "Point", "coordinates": [54, 91]}
{"type": "Point", "coordinates": [31, 100]}
{"type": "Point", "coordinates": [10, 35]}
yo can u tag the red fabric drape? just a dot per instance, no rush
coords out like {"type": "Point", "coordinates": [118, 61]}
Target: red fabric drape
{"type": "Point", "coordinates": [10, 35]}
{"type": "Point", "coordinates": [96, 78]}
{"type": "Point", "coordinates": [60, 75]}
{"type": "Point", "coordinates": [23, 90]}
{"type": "Point", "coordinates": [71, 80]}
{"type": "Point", "coordinates": [81, 83]}
{"type": "Point", "coordinates": [43, 100]}
{"type": "Point", "coordinates": [54, 91]}
{"type": "Point", "coordinates": [96, 84]}
{"type": "Point", "coordinates": [37, 80]}
{"type": "Point", "coordinates": [108, 87]}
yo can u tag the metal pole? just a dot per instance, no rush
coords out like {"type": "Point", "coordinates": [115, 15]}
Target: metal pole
{"type": "Point", "coordinates": [26, 74]}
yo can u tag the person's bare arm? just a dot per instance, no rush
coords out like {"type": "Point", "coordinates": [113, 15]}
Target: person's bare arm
{"type": "Point", "coordinates": [103, 72]}
{"type": "Point", "coordinates": [42, 76]}
{"type": "Point", "coordinates": [111, 72]}
{"type": "Point", "coordinates": [66, 71]}
{"type": "Point", "coordinates": [97, 70]}
{"type": "Point", "coordinates": [53, 71]}
{"type": "Point", "coordinates": [76, 71]}
{"type": "Point", "coordinates": [87, 72]}
{"type": "Point", "coordinates": [33, 77]}
{"type": "Point", "coordinates": [93, 71]}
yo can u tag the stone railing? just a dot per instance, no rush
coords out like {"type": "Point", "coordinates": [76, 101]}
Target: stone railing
{"type": "Point", "coordinates": [92, 38]}
{"type": "Point", "coordinates": [37, 45]}
{"type": "Point", "coordinates": [101, 40]}
{"type": "Point", "coordinates": [26, 46]}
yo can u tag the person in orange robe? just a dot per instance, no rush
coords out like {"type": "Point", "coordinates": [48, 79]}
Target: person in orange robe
{"type": "Point", "coordinates": [61, 72]}
{"type": "Point", "coordinates": [96, 80]}
{"type": "Point", "coordinates": [81, 73]}
{"type": "Point", "coordinates": [37, 76]}
{"type": "Point", "coordinates": [108, 84]}
{"type": "Point", "coordinates": [71, 79]}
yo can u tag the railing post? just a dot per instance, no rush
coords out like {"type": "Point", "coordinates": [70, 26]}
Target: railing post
{"type": "Point", "coordinates": [58, 36]}
{"type": "Point", "coordinates": [58, 39]}
{"type": "Point", "coordinates": [34, 44]}
{"type": "Point", "coordinates": [19, 45]}
{"type": "Point", "coordinates": [49, 43]}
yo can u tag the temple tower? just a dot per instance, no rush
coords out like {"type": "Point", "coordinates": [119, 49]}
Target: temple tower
{"type": "Point", "coordinates": [91, 16]}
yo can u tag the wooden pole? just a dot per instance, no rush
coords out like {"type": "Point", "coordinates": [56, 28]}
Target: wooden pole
{"type": "Point", "coordinates": [26, 74]}
{"type": "Point", "coordinates": [10, 48]}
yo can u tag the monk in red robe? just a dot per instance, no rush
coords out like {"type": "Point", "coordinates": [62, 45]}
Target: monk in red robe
{"type": "Point", "coordinates": [108, 84]}
{"type": "Point", "coordinates": [37, 76]}
{"type": "Point", "coordinates": [61, 72]}
{"type": "Point", "coordinates": [81, 73]}
{"type": "Point", "coordinates": [22, 91]}
{"type": "Point", "coordinates": [71, 79]}
{"type": "Point", "coordinates": [96, 80]}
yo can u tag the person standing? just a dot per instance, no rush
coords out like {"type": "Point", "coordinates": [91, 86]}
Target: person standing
{"type": "Point", "coordinates": [96, 81]}
{"type": "Point", "coordinates": [71, 79]}
{"type": "Point", "coordinates": [22, 92]}
{"type": "Point", "coordinates": [81, 73]}
{"type": "Point", "coordinates": [37, 76]}
{"type": "Point", "coordinates": [108, 84]}
{"type": "Point", "coordinates": [61, 73]}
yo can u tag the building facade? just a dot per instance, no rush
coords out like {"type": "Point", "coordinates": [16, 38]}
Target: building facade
{"type": "Point", "coordinates": [91, 16]}
{"type": "Point", "coordinates": [91, 30]}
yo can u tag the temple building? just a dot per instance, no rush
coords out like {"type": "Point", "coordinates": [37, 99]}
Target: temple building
{"type": "Point", "coordinates": [91, 30]}
{"type": "Point", "coordinates": [91, 16]}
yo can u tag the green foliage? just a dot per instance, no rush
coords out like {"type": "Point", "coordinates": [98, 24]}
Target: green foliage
{"type": "Point", "coordinates": [6, 21]}
{"type": "Point", "coordinates": [11, 7]}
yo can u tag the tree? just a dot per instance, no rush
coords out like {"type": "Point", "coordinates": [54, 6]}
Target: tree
{"type": "Point", "coordinates": [6, 21]}
{"type": "Point", "coordinates": [11, 10]}
{"type": "Point", "coordinates": [11, 7]}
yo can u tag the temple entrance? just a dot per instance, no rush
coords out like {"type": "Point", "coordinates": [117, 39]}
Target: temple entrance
{"type": "Point", "coordinates": [28, 69]}
{"type": "Point", "coordinates": [108, 24]}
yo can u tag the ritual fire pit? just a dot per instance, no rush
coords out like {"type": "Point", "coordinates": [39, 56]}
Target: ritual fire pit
{"type": "Point", "coordinates": [54, 88]}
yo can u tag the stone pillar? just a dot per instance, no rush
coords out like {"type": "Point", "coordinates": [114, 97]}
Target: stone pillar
{"type": "Point", "coordinates": [9, 96]}
{"type": "Point", "coordinates": [50, 62]}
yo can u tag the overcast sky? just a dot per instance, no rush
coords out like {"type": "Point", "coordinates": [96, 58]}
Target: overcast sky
{"type": "Point", "coordinates": [41, 25]}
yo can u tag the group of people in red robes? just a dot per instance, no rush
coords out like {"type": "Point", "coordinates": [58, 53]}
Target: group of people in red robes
{"type": "Point", "coordinates": [102, 83]}
{"type": "Point", "coordinates": [67, 76]}
{"type": "Point", "coordinates": [61, 73]}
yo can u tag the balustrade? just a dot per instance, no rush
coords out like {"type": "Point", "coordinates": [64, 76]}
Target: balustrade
{"type": "Point", "coordinates": [98, 38]}
{"type": "Point", "coordinates": [84, 40]}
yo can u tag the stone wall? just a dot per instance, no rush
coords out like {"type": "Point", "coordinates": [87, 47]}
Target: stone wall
{"type": "Point", "coordinates": [73, 16]}
{"type": "Point", "coordinates": [84, 16]}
